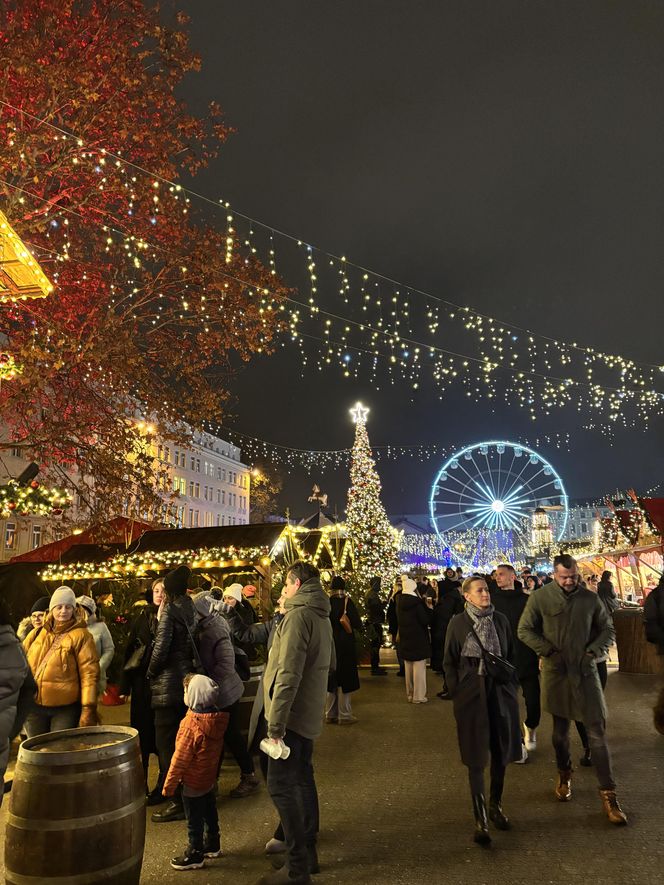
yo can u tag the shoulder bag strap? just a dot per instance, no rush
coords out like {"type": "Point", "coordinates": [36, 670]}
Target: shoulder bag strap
{"type": "Point", "coordinates": [345, 602]}
{"type": "Point", "coordinates": [44, 661]}
{"type": "Point", "coordinates": [197, 657]}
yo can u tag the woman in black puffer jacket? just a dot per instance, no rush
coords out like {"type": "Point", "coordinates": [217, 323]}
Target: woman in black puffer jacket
{"type": "Point", "coordinates": [172, 658]}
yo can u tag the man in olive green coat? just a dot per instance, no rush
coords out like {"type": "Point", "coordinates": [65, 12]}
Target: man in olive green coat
{"type": "Point", "coordinates": [294, 692]}
{"type": "Point", "coordinates": [568, 627]}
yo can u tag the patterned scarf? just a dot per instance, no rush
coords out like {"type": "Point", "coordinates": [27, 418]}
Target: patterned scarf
{"type": "Point", "coordinates": [482, 619]}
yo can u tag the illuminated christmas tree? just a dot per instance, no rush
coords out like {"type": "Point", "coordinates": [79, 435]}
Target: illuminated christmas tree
{"type": "Point", "coordinates": [375, 542]}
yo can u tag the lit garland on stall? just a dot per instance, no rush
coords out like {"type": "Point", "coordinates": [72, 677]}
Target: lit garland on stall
{"type": "Point", "coordinates": [32, 500]}
{"type": "Point", "coordinates": [372, 327]}
{"type": "Point", "coordinates": [8, 367]}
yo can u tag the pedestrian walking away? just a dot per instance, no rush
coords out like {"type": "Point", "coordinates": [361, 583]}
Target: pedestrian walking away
{"type": "Point", "coordinates": [375, 620]}
{"type": "Point", "coordinates": [569, 628]}
{"type": "Point", "coordinates": [294, 690]}
{"type": "Point", "coordinates": [414, 616]}
{"type": "Point", "coordinates": [344, 680]}
{"type": "Point", "coordinates": [486, 709]}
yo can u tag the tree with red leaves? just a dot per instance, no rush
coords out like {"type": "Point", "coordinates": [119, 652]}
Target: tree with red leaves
{"type": "Point", "coordinates": [152, 299]}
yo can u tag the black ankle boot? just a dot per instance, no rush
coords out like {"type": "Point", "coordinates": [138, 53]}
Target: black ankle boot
{"type": "Point", "coordinates": [586, 760]}
{"type": "Point", "coordinates": [481, 835]}
{"type": "Point", "coordinates": [496, 814]}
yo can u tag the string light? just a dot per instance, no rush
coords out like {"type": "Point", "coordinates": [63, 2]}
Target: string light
{"type": "Point", "coordinates": [32, 500]}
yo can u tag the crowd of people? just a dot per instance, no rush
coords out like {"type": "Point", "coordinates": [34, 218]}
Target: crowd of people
{"type": "Point", "coordinates": [186, 666]}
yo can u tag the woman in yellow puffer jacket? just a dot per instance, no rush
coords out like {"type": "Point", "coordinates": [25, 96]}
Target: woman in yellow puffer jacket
{"type": "Point", "coordinates": [64, 662]}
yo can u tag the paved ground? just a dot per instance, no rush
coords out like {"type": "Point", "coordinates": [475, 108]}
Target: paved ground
{"type": "Point", "coordinates": [395, 805]}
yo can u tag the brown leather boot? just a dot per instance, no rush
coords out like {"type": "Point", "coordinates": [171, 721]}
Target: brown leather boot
{"type": "Point", "coordinates": [564, 788]}
{"type": "Point", "coordinates": [612, 807]}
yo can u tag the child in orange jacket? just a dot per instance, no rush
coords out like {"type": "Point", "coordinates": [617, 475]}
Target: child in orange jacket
{"type": "Point", "coordinates": [194, 764]}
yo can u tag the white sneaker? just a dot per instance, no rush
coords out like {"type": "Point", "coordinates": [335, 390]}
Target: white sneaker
{"type": "Point", "coordinates": [275, 846]}
{"type": "Point", "coordinates": [524, 756]}
{"type": "Point", "coordinates": [530, 737]}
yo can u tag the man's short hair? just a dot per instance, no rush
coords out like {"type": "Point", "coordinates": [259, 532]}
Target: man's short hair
{"type": "Point", "coordinates": [510, 568]}
{"type": "Point", "coordinates": [564, 560]}
{"type": "Point", "coordinates": [303, 571]}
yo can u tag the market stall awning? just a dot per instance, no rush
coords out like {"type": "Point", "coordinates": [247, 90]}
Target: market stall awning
{"type": "Point", "coordinates": [21, 277]}
{"type": "Point", "coordinates": [120, 530]}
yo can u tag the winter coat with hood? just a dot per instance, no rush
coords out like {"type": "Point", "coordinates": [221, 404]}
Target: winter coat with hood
{"type": "Point", "coordinates": [215, 647]}
{"type": "Point", "coordinates": [478, 702]}
{"type": "Point", "coordinates": [71, 673]}
{"type": "Point", "coordinates": [135, 682]}
{"type": "Point", "coordinates": [14, 670]}
{"type": "Point", "coordinates": [173, 654]}
{"type": "Point", "coordinates": [569, 631]}
{"type": "Point", "coordinates": [104, 645]}
{"type": "Point", "coordinates": [195, 761]}
{"type": "Point", "coordinates": [295, 680]}
{"type": "Point", "coordinates": [608, 596]}
{"type": "Point", "coordinates": [450, 603]}
{"type": "Point", "coordinates": [414, 618]}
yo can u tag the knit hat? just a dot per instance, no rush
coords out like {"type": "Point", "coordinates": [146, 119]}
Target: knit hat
{"type": "Point", "coordinates": [40, 606]}
{"type": "Point", "coordinates": [234, 590]}
{"type": "Point", "coordinates": [409, 586]}
{"type": "Point", "coordinates": [88, 603]}
{"type": "Point", "coordinates": [203, 603]}
{"type": "Point", "coordinates": [175, 582]}
{"type": "Point", "coordinates": [338, 583]}
{"type": "Point", "coordinates": [62, 596]}
{"type": "Point", "coordinates": [202, 693]}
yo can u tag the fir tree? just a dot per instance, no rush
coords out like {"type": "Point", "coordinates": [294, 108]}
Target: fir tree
{"type": "Point", "coordinates": [375, 542]}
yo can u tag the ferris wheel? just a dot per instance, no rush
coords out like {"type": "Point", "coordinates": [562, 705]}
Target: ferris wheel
{"type": "Point", "coordinates": [483, 498]}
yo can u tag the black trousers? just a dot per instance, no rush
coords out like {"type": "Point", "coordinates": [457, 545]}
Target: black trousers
{"type": "Point", "coordinates": [597, 741]}
{"type": "Point", "coordinates": [292, 788]}
{"type": "Point", "coordinates": [236, 741]}
{"type": "Point", "coordinates": [530, 686]}
{"type": "Point", "coordinates": [166, 723]}
{"type": "Point", "coordinates": [202, 820]}
{"type": "Point", "coordinates": [376, 642]}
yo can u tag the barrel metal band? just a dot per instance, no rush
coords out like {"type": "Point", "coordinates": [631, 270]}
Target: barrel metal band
{"type": "Point", "coordinates": [77, 823]}
{"type": "Point", "coordinates": [58, 778]}
{"type": "Point", "coordinates": [81, 879]}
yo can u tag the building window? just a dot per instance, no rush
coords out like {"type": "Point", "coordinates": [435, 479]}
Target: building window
{"type": "Point", "coordinates": [16, 452]}
{"type": "Point", "coordinates": [584, 528]}
{"type": "Point", "coordinates": [198, 465]}
{"type": "Point", "coordinates": [167, 454]}
{"type": "Point", "coordinates": [218, 496]}
{"type": "Point", "coordinates": [196, 516]}
{"type": "Point", "coordinates": [176, 483]}
{"type": "Point", "coordinates": [36, 536]}
{"type": "Point", "coordinates": [218, 472]}
{"type": "Point", "coordinates": [197, 490]}
{"type": "Point", "coordinates": [191, 518]}
{"type": "Point", "coordinates": [218, 519]}
{"type": "Point", "coordinates": [10, 535]}
{"type": "Point", "coordinates": [223, 498]}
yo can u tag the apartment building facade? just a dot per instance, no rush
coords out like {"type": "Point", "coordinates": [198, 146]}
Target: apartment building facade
{"type": "Point", "coordinates": [211, 483]}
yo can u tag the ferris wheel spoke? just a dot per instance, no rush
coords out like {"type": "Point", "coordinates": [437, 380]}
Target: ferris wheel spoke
{"type": "Point", "coordinates": [488, 470]}
{"type": "Point", "coordinates": [508, 475]}
{"type": "Point", "coordinates": [519, 476]}
{"type": "Point", "coordinates": [473, 479]}
{"type": "Point", "coordinates": [543, 486]}
{"type": "Point", "coordinates": [456, 525]}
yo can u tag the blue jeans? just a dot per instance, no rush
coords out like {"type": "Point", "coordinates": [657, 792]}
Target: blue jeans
{"type": "Point", "coordinates": [202, 820]}
{"type": "Point", "coordinates": [292, 788]}
{"type": "Point", "coordinates": [43, 720]}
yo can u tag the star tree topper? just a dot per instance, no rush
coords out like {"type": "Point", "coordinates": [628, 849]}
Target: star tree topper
{"type": "Point", "coordinates": [359, 413]}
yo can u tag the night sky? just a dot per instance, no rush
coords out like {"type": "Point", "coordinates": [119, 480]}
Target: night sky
{"type": "Point", "coordinates": [505, 155]}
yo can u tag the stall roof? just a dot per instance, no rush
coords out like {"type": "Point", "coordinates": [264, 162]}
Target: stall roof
{"type": "Point", "coordinates": [258, 535]}
{"type": "Point", "coordinates": [120, 530]}
{"type": "Point", "coordinates": [654, 508]}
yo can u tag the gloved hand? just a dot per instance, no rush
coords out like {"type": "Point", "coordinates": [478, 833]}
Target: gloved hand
{"type": "Point", "coordinates": [88, 717]}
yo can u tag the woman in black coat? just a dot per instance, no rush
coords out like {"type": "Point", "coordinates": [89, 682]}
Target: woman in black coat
{"type": "Point", "coordinates": [172, 658]}
{"type": "Point", "coordinates": [486, 712]}
{"type": "Point", "coordinates": [414, 616]}
{"type": "Point", "coordinates": [344, 680]}
{"type": "Point", "coordinates": [134, 682]}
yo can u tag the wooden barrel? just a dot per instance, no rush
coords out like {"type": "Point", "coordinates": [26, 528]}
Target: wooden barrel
{"type": "Point", "coordinates": [247, 699]}
{"type": "Point", "coordinates": [635, 654]}
{"type": "Point", "coordinates": [77, 809]}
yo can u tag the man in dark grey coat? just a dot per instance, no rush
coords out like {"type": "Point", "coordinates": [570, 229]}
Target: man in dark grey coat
{"type": "Point", "coordinates": [294, 692]}
{"type": "Point", "coordinates": [568, 627]}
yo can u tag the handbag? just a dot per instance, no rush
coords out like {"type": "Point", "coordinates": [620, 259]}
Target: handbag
{"type": "Point", "coordinates": [344, 620]}
{"type": "Point", "coordinates": [497, 668]}
{"type": "Point", "coordinates": [136, 658]}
